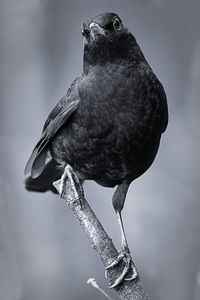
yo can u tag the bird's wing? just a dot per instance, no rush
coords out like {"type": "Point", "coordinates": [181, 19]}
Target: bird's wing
{"type": "Point", "coordinates": [57, 117]}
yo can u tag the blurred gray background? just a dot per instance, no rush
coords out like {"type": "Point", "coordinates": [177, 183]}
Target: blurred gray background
{"type": "Point", "coordinates": [43, 252]}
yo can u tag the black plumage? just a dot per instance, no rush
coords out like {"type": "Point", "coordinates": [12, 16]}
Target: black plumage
{"type": "Point", "coordinates": [108, 125]}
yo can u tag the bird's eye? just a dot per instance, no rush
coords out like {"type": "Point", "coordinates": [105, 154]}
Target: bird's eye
{"type": "Point", "coordinates": [117, 24]}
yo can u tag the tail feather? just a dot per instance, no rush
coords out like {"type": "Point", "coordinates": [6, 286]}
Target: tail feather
{"type": "Point", "coordinates": [44, 182]}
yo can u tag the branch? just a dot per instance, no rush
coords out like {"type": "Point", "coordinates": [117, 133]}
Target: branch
{"type": "Point", "coordinates": [101, 242]}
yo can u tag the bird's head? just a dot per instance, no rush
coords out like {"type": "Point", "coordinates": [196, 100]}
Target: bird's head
{"type": "Point", "coordinates": [102, 28]}
{"type": "Point", "coordinates": [106, 39]}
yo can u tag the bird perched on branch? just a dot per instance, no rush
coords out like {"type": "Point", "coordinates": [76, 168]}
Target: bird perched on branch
{"type": "Point", "coordinates": [108, 125]}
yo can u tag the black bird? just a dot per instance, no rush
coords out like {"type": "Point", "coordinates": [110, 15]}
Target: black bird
{"type": "Point", "coordinates": [109, 123]}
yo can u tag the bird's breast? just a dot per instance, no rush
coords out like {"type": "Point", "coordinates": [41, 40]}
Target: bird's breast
{"type": "Point", "coordinates": [118, 98]}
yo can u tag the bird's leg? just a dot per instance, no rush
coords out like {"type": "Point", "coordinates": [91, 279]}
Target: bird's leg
{"type": "Point", "coordinates": [74, 185]}
{"type": "Point", "coordinates": [124, 254]}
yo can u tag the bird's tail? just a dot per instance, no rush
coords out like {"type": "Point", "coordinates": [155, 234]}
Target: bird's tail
{"type": "Point", "coordinates": [44, 182]}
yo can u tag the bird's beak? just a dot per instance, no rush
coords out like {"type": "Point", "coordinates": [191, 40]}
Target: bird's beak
{"type": "Point", "coordinates": [96, 30]}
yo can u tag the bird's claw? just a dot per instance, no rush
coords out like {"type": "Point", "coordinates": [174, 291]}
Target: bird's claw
{"type": "Point", "coordinates": [129, 267]}
{"type": "Point", "coordinates": [121, 256]}
{"type": "Point", "coordinates": [74, 185]}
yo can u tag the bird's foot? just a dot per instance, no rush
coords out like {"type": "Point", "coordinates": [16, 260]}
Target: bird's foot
{"type": "Point", "coordinates": [129, 267]}
{"type": "Point", "coordinates": [74, 185]}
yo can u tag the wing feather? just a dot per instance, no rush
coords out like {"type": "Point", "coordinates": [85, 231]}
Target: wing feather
{"type": "Point", "coordinates": [57, 118]}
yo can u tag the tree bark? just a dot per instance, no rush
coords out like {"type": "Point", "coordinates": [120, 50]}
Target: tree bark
{"type": "Point", "coordinates": [102, 243]}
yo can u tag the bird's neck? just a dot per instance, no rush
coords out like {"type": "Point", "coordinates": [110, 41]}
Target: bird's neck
{"type": "Point", "coordinates": [125, 49]}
